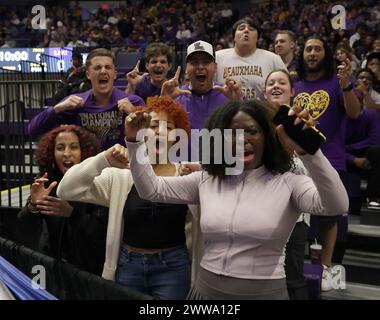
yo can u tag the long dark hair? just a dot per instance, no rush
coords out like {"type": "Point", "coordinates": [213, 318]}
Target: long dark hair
{"type": "Point", "coordinates": [275, 158]}
{"type": "Point", "coordinates": [44, 155]}
{"type": "Point", "coordinates": [327, 63]}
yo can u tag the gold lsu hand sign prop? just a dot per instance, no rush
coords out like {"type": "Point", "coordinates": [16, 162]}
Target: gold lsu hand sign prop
{"type": "Point", "coordinates": [316, 103]}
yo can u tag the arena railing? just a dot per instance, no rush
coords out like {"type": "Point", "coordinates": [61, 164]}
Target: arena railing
{"type": "Point", "coordinates": [20, 101]}
{"type": "Point", "coordinates": [64, 280]}
{"type": "Point", "coordinates": [53, 67]}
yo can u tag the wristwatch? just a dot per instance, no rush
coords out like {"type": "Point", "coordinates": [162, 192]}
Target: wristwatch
{"type": "Point", "coordinates": [348, 88]}
{"type": "Point", "coordinates": [32, 207]}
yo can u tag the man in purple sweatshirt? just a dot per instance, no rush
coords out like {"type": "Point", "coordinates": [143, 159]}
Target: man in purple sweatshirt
{"type": "Point", "coordinates": [201, 96]}
{"type": "Point", "coordinates": [101, 109]}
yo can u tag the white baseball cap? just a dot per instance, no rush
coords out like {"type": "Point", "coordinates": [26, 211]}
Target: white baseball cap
{"type": "Point", "coordinates": [200, 46]}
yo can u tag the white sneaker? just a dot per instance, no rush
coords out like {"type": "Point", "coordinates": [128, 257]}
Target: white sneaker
{"type": "Point", "coordinates": [326, 283]}
{"type": "Point", "coordinates": [373, 203]}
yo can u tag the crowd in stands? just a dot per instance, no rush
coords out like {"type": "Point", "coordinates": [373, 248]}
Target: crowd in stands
{"type": "Point", "coordinates": [132, 25]}
{"type": "Point", "coordinates": [246, 69]}
{"type": "Point", "coordinates": [135, 24]}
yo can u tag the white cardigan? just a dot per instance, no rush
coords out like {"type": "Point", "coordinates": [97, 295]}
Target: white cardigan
{"type": "Point", "coordinates": [94, 181]}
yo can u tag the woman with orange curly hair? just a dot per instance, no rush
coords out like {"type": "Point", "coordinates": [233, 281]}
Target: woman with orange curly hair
{"type": "Point", "coordinates": [146, 242]}
{"type": "Point", "coordinates": [73, 232]}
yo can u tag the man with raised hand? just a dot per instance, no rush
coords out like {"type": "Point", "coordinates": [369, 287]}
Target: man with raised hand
{"type": "Point", "coordinates": [101, 109]}
{"type": "Point", "coordinates": [329, 98]}
{"type": "Point", "coordinates": [201, 96]}
{"type": "Point", "coordinates": [159, 58]}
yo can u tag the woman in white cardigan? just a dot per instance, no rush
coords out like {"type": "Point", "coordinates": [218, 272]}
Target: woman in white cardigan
{"type": "Point", "coordinates": [145, 247]}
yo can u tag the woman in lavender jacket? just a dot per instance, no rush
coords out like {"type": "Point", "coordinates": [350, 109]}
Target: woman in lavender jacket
{"type": "Point", "coordinates": [246, 218]}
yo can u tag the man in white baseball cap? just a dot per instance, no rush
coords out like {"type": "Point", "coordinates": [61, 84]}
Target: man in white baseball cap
{"type": "Point", "coordinates": [200, 46]}
{"type": "Point", "coordinates": [201, 96]}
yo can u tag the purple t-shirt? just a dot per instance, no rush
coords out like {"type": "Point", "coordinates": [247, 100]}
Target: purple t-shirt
{"type": "Point", "coordinates": [146, 89]}
{"type": "Point", "coordinates": [107, 121]}
{"type": "Point", "coordinates": [200, 107]}
{"type": "Point", "coordinates": [324, 99]}
{"type": "Point", "coordinates": [361, 133]}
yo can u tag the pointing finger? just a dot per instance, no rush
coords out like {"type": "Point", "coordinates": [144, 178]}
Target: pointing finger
{"type": "Point", "coordinates": [137, 66]}
{"type": "Point", "coordinates": [177, 73]}
{"type": "Point", "coordinates": [52, 185]}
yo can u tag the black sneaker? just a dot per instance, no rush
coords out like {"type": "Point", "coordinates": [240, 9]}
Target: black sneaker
{"type": "Point", "coordinates": [373, 203]}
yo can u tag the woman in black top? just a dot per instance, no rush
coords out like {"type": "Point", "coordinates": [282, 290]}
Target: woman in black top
{"type": "Point", "coordinates": [153, 256]}
{"type": "Point", "coordinates": [71, 231]}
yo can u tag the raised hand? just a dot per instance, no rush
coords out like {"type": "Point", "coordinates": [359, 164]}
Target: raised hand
{"type": "Point", "coordinates": [134, 78]}
{"type": "Point", "coordinates": [38, 190]}
{"type": "Point", "coordinates": [73, 72]}
{"type": "Point", "coordinates": [125, 105]}
{"type": "Point", "coordinates": [188, 167]}
{"type": "Point", "coordinates": [72, 102]}
{"type": "Point", "coordinates": [171, 87]}
{"type": "Point", "coordinates": [289, 141]}
{"type": "Point", "coordinates": [344, 73]}
{"type": "Point", "coordinates": [362, 163]}
{"type": "Point", "coordinates": [302, 115]}
{"type": "Point", "coordinates": [54, 206]}
{"type": "Point", "coordinates": [134, 122]}
{"type": "Point", "coordinates": [231, 89]}
{"type": "Point", "coordinates": [117, 156]}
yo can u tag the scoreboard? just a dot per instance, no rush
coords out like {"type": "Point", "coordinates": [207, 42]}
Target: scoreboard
{"type": "Point", "coordinates": [34, 59]}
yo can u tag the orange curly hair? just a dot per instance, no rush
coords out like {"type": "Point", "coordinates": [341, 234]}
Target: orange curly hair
{"type": "Point", "coordinates": [174, 111]}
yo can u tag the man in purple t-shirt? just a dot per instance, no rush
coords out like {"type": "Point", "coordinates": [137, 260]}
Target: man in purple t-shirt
{"type": "Point", "coordinates": [201, 96]}
{"type": "Point", "coordinates": [101, 109]}
{"type": "Point", "coordinates": [158, 57]}
{"type": "Point", "coordinates": [328, 98]}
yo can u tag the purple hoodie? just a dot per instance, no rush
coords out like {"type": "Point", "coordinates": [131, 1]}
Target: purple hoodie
{"type": "Point", "coordinates": [200, 107]}
{"type": "Point", "coordinates": [107, 122]}
{"type": "Point", "coordinates": [361, 133]}
{"type": "Point", "coordinates": [146, 89]}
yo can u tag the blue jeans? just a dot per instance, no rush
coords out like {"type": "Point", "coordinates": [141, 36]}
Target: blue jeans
{"type": "Point", "coordinates": [163, 275]}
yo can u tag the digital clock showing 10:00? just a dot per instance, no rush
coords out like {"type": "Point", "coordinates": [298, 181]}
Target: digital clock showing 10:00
{"type": "Point", "coordinates": [53, 59]}
{"type": "Point", "coordinates": [6, 55]}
